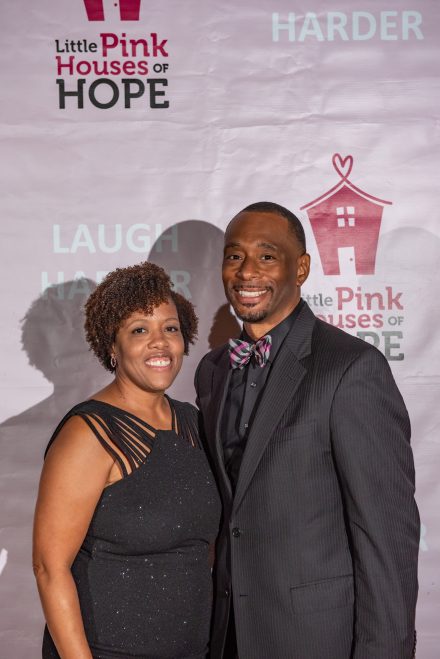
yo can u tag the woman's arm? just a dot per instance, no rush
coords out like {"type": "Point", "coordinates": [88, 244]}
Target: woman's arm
{"type": "Point", "coordinates": [75, 472]}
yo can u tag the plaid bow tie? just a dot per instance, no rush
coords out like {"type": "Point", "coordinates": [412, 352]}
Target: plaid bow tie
{"type": "Point", "coordinates": [241, 351]}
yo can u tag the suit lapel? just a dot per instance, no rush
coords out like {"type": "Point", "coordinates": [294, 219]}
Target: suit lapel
{"type": "Point", "coordinates": [286, 375]}
{"type": "Point", "coordinates": [220, 385]}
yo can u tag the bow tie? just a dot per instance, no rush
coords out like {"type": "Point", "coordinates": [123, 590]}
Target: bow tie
{"type": "Point", "coordinates": [240, 352]}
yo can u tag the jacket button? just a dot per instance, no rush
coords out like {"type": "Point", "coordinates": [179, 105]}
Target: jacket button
{"type": "Point", "coordinates": [236, 532]}
{"type": "Point", "coordinates": [226, 592]}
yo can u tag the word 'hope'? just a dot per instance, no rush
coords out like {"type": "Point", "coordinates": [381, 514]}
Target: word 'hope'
{"type": "Point", "coordinates": [104, 93]}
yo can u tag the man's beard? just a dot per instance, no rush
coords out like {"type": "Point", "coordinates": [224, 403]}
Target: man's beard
{"type": "Point", "coordinates": [252, 316]}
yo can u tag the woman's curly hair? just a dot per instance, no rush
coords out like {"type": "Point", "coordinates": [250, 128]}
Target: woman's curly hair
{"type": "Point", "coordinates": [141, 287]}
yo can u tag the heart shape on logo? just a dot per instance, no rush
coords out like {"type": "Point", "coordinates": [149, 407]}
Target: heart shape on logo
{"type": "Point", "coordinates": [342, 165]}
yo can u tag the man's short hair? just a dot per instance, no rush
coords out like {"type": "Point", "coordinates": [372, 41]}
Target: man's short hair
{"type": "Point", "coordinates": [271, 207]}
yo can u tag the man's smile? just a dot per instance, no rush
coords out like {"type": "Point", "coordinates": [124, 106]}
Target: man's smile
{"type": "Point", "coordinates": [250, 295]}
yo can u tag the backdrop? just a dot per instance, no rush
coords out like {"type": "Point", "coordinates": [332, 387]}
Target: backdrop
{"type": "Point", "coordinates": [134, 130]}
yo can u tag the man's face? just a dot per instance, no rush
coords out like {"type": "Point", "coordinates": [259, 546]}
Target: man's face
{"type": "Point", "coordinates": [263, 268]}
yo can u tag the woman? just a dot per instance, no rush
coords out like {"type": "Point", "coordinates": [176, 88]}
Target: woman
{"type": "Point", "coordinates": [127, 505]}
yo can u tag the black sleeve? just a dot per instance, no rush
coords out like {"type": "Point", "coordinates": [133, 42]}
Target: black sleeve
{"type": "Point", "coordinates": [371, 448]}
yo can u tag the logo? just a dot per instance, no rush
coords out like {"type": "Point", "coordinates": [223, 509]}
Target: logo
{"type": "Point", "coordinates": [112, 69]}
{"type": "Point", "coordinates": [129, 9]}
{"type": "Point", "coordinates": [346, 224]}
{"type": "Point", "coordinates": [346, 221]}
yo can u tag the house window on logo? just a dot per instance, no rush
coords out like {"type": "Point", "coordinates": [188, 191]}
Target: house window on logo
{"type": "Point", "coordinates": [345, 216]}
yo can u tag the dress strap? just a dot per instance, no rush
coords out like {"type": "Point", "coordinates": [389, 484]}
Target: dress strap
{"type": "Point", "coordinates": [173, 413]}
{"type": "Point", "coordinates": [187, 420]}
{"type": "Point", "coordinates": [126, 437]}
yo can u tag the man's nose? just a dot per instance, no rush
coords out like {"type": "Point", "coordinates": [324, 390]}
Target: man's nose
{"type": "Point", "coordinates": [248, 269]}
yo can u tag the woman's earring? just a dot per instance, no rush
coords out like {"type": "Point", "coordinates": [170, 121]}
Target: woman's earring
{"type": "Point", "coordinates": [113, 362]}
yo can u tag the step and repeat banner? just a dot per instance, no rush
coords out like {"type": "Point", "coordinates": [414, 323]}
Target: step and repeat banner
{"type": "Point", "coordinates": [134, 130]}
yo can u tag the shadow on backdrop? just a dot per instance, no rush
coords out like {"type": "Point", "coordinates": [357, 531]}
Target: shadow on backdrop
{"type": "Point", "coordinates": [53, 339]}
{"type": "Point", "coordinates": [191, 252]}
{"type": "Point", "coordinates": [408, 259]}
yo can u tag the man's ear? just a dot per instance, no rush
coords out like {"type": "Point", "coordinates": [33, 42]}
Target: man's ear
{"type": "Point", "coordinates": [303, 269]}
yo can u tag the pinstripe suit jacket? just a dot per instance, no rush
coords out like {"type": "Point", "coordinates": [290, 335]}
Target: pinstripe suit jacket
{"type": "Point", "coordinates": [319, 545]}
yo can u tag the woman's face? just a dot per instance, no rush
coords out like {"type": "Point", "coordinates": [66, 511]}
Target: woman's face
{"type": "Point", "coordinates": [149, 349]}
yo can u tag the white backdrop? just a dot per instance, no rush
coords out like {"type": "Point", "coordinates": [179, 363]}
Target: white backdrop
{"type": "Point", "coordinates": [190, 112]}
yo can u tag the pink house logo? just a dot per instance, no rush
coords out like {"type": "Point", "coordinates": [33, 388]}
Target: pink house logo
{"type": "Point", "coordinates": [346, 217]}
{"type": "Point", "coordinates": [129, 9]}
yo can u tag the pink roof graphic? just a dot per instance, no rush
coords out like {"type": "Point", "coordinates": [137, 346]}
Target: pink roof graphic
{"type": "Point", "coordinates": [346, 217]}
{"type": "Point", "coordinates": [129, 10]}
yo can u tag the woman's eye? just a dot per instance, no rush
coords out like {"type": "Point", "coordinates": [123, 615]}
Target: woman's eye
{"type": "Point", "coordinates": [172, 328]}
{"type": "Point", "coordinates": [138, 330]}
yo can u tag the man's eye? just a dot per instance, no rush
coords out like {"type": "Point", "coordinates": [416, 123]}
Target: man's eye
{"type": "Point", "coordinates": [232, 257]}
{"type": "Point", "coordinates": [268, 257]}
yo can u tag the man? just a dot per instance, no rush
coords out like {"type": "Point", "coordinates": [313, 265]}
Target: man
{"type": "Point", "coordinates": [309, 437]}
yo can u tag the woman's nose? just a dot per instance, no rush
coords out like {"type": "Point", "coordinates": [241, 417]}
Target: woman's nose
{"type": "Point", "coordinates": [157, 338]}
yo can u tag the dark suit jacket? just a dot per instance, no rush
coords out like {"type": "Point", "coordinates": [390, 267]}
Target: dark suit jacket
{"type": "Point", "coordinates": [323, 531]}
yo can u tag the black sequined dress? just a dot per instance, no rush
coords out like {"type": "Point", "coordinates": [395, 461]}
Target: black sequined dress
{"type": "Point", "coordinates": [142, 573]}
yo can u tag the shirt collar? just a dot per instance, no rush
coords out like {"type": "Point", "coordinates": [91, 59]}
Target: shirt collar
{"type": "Point", "coordinates": [279, 332]}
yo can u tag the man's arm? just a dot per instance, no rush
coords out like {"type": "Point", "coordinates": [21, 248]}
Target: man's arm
{"type": "Point", "coordinates": [203, 378]}
{"type": "Point", "coordinates": [370, 438]}
{"type": "Point", "coordinates": [196, 381]}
